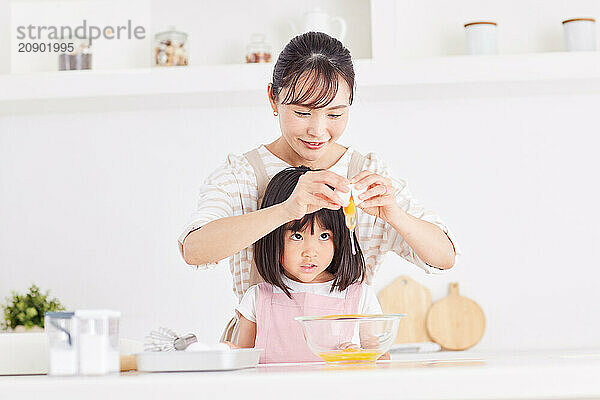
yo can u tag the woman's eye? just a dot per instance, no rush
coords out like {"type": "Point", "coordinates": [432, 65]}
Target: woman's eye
{"type": "Point", "coordinates": [303, 114]}
{"type": "Point", "coordinates": [325, 236]}
{"type": "Point", "coordinates": [335, 115]}
{"type": "Point", "coordinates": [296, 236]}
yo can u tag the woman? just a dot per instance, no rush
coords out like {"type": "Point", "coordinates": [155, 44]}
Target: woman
{"type": "Point", "coordinates": [311, 92]}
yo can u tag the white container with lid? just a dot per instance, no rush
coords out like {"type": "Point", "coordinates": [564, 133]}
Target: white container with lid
{"type": "Point", "coordinates": [580, 34]}
{"type": "Point", "coordinates": [61, 333]}
{"type": "Point", "coordinates": [482, 37]}
{"type": "Point", "coordinates": [98, 341]}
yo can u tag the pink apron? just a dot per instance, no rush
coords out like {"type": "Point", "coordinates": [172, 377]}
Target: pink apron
{"type": "Point", "coordinates": [281, 336]}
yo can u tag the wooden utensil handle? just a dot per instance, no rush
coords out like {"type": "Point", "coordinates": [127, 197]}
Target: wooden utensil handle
{"type": "Point", "coordinates": [453, 289]}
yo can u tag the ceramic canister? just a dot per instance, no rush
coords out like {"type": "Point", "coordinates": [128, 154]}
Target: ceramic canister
{"type": "Point", "coordinates": [580, 34]}
{"type": "Point", "coordinates": [482, 37]}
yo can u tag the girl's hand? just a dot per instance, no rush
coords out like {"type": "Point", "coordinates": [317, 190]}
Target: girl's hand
{"type": "Point", "coordinates": [312, 193]}
{"type": "Point", "coordinates": [379, 199]}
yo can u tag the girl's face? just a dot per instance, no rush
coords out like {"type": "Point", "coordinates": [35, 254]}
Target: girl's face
{"type": "Point", "coordinates": [310, 133]}
{"type": "Point", "coordinates": [306, 256]}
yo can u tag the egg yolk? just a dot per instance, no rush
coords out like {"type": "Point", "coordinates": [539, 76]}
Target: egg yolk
{"type": "Point", "coordinates": [350, 355]}
{"type": "Point", "coordinates": [350, 208]}
{"type": "Point", "coordinates": [350, 213]}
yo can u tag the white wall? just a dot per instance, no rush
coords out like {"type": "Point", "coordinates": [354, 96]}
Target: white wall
{"type": "Point", "coordinates": [4, 33]}
{"type": "Point", "coordinates": [91, 205]}
{"type": "Point", "coordinates": [218, 32]}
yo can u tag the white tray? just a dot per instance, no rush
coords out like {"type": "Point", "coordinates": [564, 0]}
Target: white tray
{"type": "Point", "coordinates": [208, 360]}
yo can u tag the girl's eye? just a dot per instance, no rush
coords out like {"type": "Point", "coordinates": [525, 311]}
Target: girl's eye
{"type": "Point", "coordinates": [296, 236]}
{"type": "Point", "coordinates": [335, 115]}
{"type": "Point", "coordinates": [303, 114]}
{"type": "Point", "coordinates": [325, 235]}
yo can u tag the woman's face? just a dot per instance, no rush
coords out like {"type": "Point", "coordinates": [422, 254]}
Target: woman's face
{"type": "Point", "coordinates": [310, 133]}
{"type": "Point", "coordinates": [306, 256]}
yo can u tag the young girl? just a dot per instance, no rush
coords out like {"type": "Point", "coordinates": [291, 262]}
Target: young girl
{"type": "Point", "coordinates": [309, 269]}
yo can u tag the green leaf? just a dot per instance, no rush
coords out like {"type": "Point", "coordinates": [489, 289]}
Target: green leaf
{"type": "Point", "coordinates": [28, 309]}
{"type": "Point", "coordinates": [21, 317]}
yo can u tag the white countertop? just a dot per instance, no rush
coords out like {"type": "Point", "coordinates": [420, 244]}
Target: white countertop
{"type": "Point", "coordinates": [443, 375]}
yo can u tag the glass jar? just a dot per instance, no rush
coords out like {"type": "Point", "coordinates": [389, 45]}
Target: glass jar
{"type": "Point", "coordinates": [79, 58]}
{"type": "Point", "coordinates": [98, 341]}
{"type": "Point", "coordinates": [61, 332]}
{"type": "Point", "coordinates": [169, 48]}
{"type": "Point", "coordinates": [258, 50]}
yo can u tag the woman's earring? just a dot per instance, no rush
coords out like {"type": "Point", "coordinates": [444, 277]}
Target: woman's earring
{"type": "Point", "coordinates": [275, 113]}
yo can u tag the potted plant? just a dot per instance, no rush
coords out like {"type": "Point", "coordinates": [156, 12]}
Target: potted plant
{"type": "Point", "coordinates": [25, 313]}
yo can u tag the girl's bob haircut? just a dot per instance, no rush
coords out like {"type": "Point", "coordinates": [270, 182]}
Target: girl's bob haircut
{"type": "Point", "coordinates": [268, 250]}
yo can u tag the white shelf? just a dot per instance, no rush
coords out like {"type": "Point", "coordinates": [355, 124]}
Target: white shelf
{"type": "Point", "coordinates": [245, 84]}
{"type": "Point", "coordinates": [134, 89]}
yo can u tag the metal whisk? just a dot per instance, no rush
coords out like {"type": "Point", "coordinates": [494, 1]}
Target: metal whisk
{"type": "Point", "coordinates": [165, 339]}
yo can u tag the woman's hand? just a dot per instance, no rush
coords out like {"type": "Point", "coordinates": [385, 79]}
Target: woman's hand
{"type": "Point", "coordinates": [312, 193]}
{"type": "Point", "coordinates": [379, 199]}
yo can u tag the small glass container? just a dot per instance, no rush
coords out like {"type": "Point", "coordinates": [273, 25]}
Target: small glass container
{"type": "Point", "coordinates": [580, 34]}
{"type": "Point", "coordinates": [61, 333]}
{"type": "Point", "coordinates": [482, 37]}
{"type": "Point", "coordinates": [169, 48]}
{"type": "Point", "coordinates": [98, 341]}
{"type": "Point", "coordinates": [258, 50]}
{"type": "Point", "coordinates": [80, 58]}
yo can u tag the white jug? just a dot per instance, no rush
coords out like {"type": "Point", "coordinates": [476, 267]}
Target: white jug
{"type": "Point", "coordinates": [319, 21]}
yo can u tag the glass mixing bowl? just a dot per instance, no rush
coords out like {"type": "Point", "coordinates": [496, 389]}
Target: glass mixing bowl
{"type": "Point", "coordinates": [350, 338]}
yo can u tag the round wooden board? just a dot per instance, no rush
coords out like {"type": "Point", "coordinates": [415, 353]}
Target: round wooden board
{"type": "Point", "coordinates": [455, 322]}
{"type": "Point", "coordinates": [407, 296]}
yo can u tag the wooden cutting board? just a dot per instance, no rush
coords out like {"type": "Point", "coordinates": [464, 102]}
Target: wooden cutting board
{"type": "Point", "coordinates": [407, 296]}
{"type": "Point", "coordinates": [455, 322]}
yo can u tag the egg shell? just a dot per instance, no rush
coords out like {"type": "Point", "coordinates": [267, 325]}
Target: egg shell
{"type": "Point", "coordinates": [346, 196]}
{"type": "Point", "coordinates": [355, 193]}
